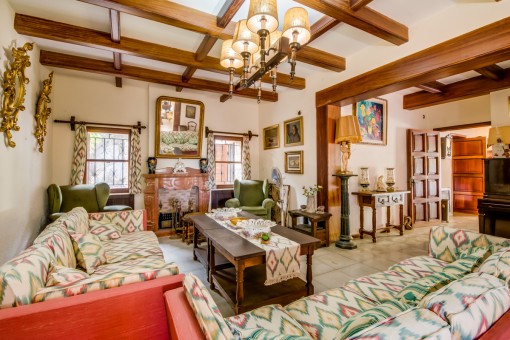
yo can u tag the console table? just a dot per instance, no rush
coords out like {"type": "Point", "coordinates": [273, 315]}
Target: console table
{"type": "Point", "coordinates": [316, 225]}
{"type": "Point", "coordinates": [376, 200]}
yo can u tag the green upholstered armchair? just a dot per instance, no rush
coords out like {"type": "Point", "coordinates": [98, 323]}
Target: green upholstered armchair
{"type": "Point", "coordinates": [91, 197]}
{"type": "Point", "coordinates": [252, 196]}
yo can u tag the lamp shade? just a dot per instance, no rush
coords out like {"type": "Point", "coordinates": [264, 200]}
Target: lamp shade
{"type": "Point", "coordinates": [244, 39]}
{"type": "Point", "coordinates": [347, 130]}
{"type": "Point", "coordinates": [229, 57]}
{"type": "Point", "coordinates": [501, 132]}
{"type": "Point", "coordinates": [262, 14]}
{"type": "Point", "coordinates": [296, 25]}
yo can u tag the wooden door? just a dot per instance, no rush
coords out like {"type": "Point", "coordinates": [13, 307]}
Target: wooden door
{"type": "Point", "coordinates": [423, 172]}
{"type": "Point", "coordinates": [467, 171]}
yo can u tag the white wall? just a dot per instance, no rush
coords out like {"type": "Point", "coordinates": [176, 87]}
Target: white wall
{"type": "Point", "coordinates": [500, 108]}
{"type": "Point", "coordinates": [25, 172]}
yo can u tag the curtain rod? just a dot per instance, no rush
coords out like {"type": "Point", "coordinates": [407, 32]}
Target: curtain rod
{"type": "Point", "coordinates": [249, 134]}
{"type": "Point", "coordinates": [73, 123]}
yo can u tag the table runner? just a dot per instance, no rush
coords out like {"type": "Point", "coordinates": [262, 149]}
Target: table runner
{"type": "Point", "coordinates": [282, 254]}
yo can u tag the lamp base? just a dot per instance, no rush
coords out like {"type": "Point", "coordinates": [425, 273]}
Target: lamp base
{"type": "Point", "coordinates": [346, 244]}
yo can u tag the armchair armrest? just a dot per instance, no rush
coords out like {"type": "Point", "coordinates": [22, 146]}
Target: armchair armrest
{"type": "Point", "coordinates": [110, 208]}
{"type": "Point", "coordinates": [267, 203]}
{"type": "Point", "coordinates": [55, 216]}
{"type": "Point", "coordinates": [232, 203]}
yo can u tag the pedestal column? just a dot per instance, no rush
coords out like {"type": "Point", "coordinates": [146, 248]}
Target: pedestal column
{"type": "Point", "coordinates": [345, 241]}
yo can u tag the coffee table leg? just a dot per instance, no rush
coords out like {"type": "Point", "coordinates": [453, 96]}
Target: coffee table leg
{"type": "Point", "coordinates": [240, 286]}
{"type": "Point", "coordinates": [212, 264]}
{"type": "Point", "coordinates": [309, 278]}
{"type": "Point", "coordinates": [195, 242]}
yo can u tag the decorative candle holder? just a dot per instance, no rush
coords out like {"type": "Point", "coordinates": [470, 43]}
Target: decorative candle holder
{"type": "Point", "coordinates": [364, 179]}
{"type": "Point", "coordinates": [390, 179]}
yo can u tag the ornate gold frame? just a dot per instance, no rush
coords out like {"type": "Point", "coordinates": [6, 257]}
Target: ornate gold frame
{"type": "Point", "coordinates": [14, 91]}
{"type": "Point", "coordinates": [43, 111]}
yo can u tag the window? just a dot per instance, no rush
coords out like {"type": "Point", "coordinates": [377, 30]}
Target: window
{"type": "Point", "coordinates": [108, 158]}
{"type": "Point", "coordinates": [228, 159]}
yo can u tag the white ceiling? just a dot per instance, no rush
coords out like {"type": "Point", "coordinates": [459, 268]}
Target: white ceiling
{"type": "Point", "coordinates": [342, 40]}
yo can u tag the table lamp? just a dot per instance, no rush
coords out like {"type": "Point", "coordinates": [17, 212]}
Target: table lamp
{"type": "Point", "coordinates": [498, 138]}
{"type": "Point", "coordinates": [347, 132]}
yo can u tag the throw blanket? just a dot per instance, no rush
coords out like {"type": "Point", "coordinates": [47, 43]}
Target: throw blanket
{"type": "Point", "coordinates": [282, 255]}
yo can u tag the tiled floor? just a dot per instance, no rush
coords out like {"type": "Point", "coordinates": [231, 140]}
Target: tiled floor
{"type": "Point", "coordinates": [332, 266]}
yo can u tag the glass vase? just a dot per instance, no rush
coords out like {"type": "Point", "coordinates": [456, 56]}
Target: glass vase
{"type": "Point", "coordinates": [311, 204]}
{"type": "Point", "coordinates": [390, 179]}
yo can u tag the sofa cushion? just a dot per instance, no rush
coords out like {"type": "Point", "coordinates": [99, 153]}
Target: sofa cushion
{"type": "Point", "coordinates": [60, 275]}
{"type": "Point", "coordinates": [22, 276]}
{"type": "Point", "coordinates": [411, 324]}
{"type": "Point", "coordinates": [415, 291]}
{"type": "Point", "coordinates": [207, 313]}
{"type": "Point", "coordinates": [104, 230]}
{"type": "Point", "coordinates": [57, 238]}
{"type": "Point", "coordinates": [382, 286]}
{"type": "Point", "coordinates": [130, 221]}
{"type": "Point", "coordinates": [370, 317]}
{"type": "Point", "coordinates": [266, 334]}
{"type": "Point", "coordinates": [89, 251]}
{"type": "Point", "coordinates": [111, 276]}
{"type": "Point", "coordinates": [498, 265]}
{"type": "Point", "coordinates": [321, 315]}
{"type": "Point", "coordinates": [470, 305]}
{"type": "Point", "coordinates": [137, 245]}
{"type": "Point", "coordinates": [468, 262]}
{"type": "Point", "coordinates": [272, 318]}
{"type": "Point", "coordinates": [419, 266]}
{"type": "Point", "coordinates": [447, 243]}
{"type": "Point", "coordinates": [76, 221]}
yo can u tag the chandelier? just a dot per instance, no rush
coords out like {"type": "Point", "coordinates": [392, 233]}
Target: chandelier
{"type": "Point", "coordinates": [258, 47]}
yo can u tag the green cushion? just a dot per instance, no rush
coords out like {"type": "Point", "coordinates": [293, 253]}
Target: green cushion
{"type": "Point", "coordinates": [251, 193]}
{"type": "Point", "coordinates": [259, 211]}
{"type": "Point", "coordinates": [82, 195]}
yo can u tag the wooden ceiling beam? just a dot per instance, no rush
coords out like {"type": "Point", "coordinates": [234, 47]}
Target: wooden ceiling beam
{"type": "Point", "coordinates": [469, 88]}
{"type": "Point", "coordinates": [227, 12]}
{"type": "Point", "coordinates": [52, 30]}
{"type": "Point", "coordinates": [479, 48]}
{"type": "Point", "coordinates": [177, 15]}
{"type": "Point", "coordinates": [357, 4]}
{"type": "Point", "coordinates": [493, 72]}
{"type": "Point", "coordinates": [432, 87]}
{"type": "Point", "coordinates": [54, 59]}
{"type": "Point", "coordinates": [321, 26]}
{"type": "Point", "coordinates": [364, 19]}
{"type": "Point", "coordinates": [115, 36]}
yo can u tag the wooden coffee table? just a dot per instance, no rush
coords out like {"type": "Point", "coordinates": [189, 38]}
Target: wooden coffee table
{"type": "Point", "coordinates": [247, 267]}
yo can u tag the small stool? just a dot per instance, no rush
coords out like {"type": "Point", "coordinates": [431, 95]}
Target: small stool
{"type": "Point", "coordinates": [188, 227]}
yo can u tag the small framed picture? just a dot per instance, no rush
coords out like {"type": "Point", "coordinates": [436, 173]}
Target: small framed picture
{"type": "Point", "coordinates": [272, 137]}
{"type": "Point", "coordinates": [190, 111]}
{"type": "Point", "coordinates": [293, 130]}
{"type": "Point", "coordinates": [372, 116]}
{"type": "Point", "coordinates": [294, 162]}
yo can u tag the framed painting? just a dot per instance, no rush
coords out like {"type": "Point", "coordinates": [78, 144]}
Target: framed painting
{"type": "Point", "coordinates": [179, 128]}
{"type": "Point", "coordinates": [372, 116]}
{"type": "Point", "coordinates": [294, 162]}
{"type": "Point", "coordinates": [293, 131]}
{"type": "Point", "coordinates": [271, 137]}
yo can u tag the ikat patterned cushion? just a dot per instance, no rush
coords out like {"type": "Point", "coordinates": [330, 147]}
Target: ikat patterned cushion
{"type": "Point", "coordinates": [129, 220]}
{"type": "Point", "coordinates": [58, 240]}
{"type": "Point", "coordinates": [270, 321]}
{"type": "Point", "coordinates": [370, 317]}
{"type": "Point", "coordinates": [104, 230]}
{"type": "Point", "coordinates": [89, 251]}
{"type": "Point", "coordinates": [206, 311]}
{"type": "Point", "coordinates": [498, 265]}
{"type": "Point", "coordinates": [414, 292]}
{"type": "Point", "coordinates": [76, 221]}
{"type": "Point", "coordinates": [470, 305]}
{"type": "Point", "coordinates": [60, 275]}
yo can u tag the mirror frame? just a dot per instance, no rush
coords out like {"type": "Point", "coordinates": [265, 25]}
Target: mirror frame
{"type": "Point", "coordinates": [200, 128]}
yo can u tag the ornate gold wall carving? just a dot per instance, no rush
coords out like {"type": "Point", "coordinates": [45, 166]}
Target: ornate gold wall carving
{"type": "Point", "coordinates": [43, 112]}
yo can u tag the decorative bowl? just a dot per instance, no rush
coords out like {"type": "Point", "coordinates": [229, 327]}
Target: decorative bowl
{"type": "Point", "coordinates": [253, 228]}
{"type": "Point", "coordinates": [224, 214]}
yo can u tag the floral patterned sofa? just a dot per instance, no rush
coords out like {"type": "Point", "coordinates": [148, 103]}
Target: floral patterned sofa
{"type": "Point", "coordinates": [458, 291]}
{"type": "Point", "coordinates": [81, 253]}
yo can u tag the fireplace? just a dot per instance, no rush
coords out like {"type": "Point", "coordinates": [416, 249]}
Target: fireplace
{"type": "Point", "coordinates": [165, 185]}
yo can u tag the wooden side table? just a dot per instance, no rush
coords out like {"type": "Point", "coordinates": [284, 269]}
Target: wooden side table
{"type": "Point", "coordinates": [316, 225]}
{"type": "Point", "coordinates": [376, 200]}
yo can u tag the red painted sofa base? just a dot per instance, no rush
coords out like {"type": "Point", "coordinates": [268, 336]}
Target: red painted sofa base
{"type": "Point", "coordinates": [134, 311]}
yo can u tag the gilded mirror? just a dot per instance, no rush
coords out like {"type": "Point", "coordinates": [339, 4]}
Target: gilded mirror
{"type": "Point", "coordinates": [179, 128]}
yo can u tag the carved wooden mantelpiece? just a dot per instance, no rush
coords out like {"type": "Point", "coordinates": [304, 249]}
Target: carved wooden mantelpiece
{"type": "Point", "coordinates": [165, 178]}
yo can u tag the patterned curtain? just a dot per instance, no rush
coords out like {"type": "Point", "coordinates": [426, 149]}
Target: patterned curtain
{"type": "Point", "coordinates": [246, 158]}
{"type": "Point", "coordinates": [211, 162]}
{"type": "Point", "coordinates": [79, 155]}
{"type": "Point", "coordinates": [135, 163]}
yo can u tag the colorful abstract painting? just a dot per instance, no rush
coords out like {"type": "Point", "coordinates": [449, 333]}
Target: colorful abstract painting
{"type": "Point", "coordinates": [372, 117]}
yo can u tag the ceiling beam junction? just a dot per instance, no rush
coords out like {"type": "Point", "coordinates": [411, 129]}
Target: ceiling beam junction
{"type": "Point", "coordinates": [115, 36]}
{"type": "Point", "coordinates": [493, 72]}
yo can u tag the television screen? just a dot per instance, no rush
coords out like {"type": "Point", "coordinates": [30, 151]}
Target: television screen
{"type": "Point", "coordinates": [497, 176]}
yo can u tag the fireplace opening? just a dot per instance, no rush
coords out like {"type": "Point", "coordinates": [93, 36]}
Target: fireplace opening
{"type": "Point", "coordinates": [174, 204]}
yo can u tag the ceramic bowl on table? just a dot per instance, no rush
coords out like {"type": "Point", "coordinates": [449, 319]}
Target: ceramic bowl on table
{"type": "Point", "coordinates": [224, 214]}
{"type": "Point", "coordinates": [253, 228]}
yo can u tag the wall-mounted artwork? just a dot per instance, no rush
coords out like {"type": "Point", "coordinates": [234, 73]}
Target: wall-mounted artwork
{"type": "Point", "coordinates": [272, 137]}
{"type": "Point", "coordinates": [372, 116]}
{"type": "Point", "coordinates": [294, 162]}
{"type": "Point", "coordinates": [43, 112]}
{"type": "Point", "coordinates": [293, 131]}
{"type": "Point", "coordinates": [179, 128]}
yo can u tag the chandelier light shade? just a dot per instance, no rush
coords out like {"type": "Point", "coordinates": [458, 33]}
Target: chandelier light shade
{"type": "Point", "coordinates": [230, 58]}
{"type": "Point", "coordinates": [244, 39]}
{"type": "Point", "coordinates": [296, 25]}
{"type": "Point", "coordinates": [262, 15]}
